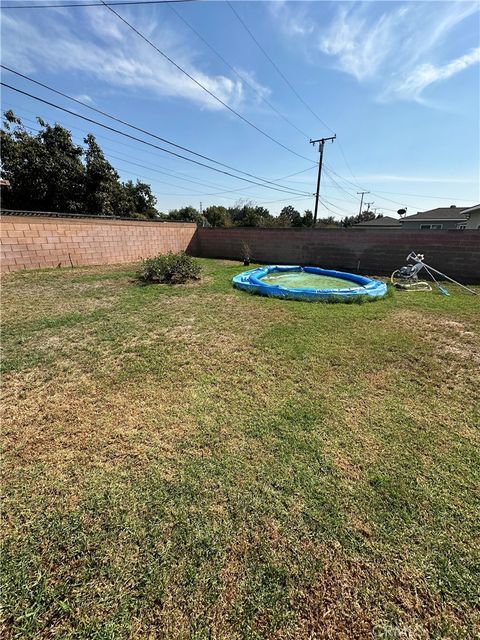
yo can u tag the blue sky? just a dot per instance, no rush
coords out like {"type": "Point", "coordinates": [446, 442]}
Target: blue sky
{"type": "Point", "coordinates": [398, 82]}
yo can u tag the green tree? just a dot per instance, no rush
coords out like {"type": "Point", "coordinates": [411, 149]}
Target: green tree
{"type": "Point", "coordinates": [45, 170]}
{"type": "Point", "coordinates": [103, 191]}
{"type": "Point", "coordinates": [291, 215]}
{"type": "Point", "coordinates": [217, 216]}
{"type": "Point", "coordinates": [348, 221]}
{"type": "Point", "coordinates": [140, 199]}
{"type": "Point", "coordinates": [308, 218]}
{"type": "Point", "coordinates": [247, 214]}
{"type": "Point", "coordinates": [329, 221]}
{"type": "Point", "coordinates": [186, 214]}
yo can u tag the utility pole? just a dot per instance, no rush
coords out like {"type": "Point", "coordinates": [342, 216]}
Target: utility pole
{"type": "Point", "coordinates": [321, 144]}
{"type": "Point", "coordinates": [201, 211]}
{"type": "Point", "coordinates": [368, 205]}
{"type": "Point", "coordinates": [362, 193]}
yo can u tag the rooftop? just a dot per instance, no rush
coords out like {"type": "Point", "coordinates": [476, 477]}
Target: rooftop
{"type": "Point", "coordinates": [441, 213]}
{"type": "Point", "coordinates": [384, 221]}
{"type": "Point", "coordinates": [470, 210]}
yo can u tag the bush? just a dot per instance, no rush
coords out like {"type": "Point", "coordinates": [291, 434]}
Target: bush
{"type": "Point", "coordinates": [171, 268]}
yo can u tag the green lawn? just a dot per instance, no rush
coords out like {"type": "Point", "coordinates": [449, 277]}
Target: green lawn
{"type": "Point", "coordinates": [195, 462]}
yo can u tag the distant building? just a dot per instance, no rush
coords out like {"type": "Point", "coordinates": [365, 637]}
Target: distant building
{"type": "Point", "coordinates": [441, 218]}
{"type": "Point", "coordinates": [385, 222]}
{"type": "Point", "coordinates": [473, 217]}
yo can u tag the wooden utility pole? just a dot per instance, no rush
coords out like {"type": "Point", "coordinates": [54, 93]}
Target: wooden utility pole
{"type": "Point", "coordinates": [361, 201]}
{"type": "Point", "coordinates": [321, 144]}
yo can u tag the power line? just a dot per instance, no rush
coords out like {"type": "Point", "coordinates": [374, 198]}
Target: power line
{"type": "Point", "coordinates": [372, 192]}
{"type": "Point", "coordinates": [345, 160]}
{"type": "Point", "coordinates": [202, 86]}
{"type": "Point", "coordinates": [323, 200]}
{"type": "Point", "coordinates": [353, 198]}
{"type": "Point", "coordinates": [283, 200]}
{"type": "Point", "coordinates": [338, 185]}
{"type": "Point", "coordinates": [150, 144]}
{"type": "Point", "coordinates": [288, 83]}
{"type": "Point", "coordinates": [232, 68]}
{"type": "Point", "coordinates": [290, 175]}
{"type": "Point", "coordinates": [276, 67]}
{"type": "Point", "coordinates": [92, 4]}
{"type": "Point", "coordinates": [354, 184]}
{"type": "Point", "coordinates": [136, 128]}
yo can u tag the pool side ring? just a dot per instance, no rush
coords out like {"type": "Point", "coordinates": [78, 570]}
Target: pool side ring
{"type": "Point", "coordinates": [355, 286]}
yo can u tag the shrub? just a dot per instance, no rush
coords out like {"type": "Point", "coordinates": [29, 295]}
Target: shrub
{"type": "Point", "coordinates": [171, 268]}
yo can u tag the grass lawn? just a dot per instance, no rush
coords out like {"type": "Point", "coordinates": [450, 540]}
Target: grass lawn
{"type": "Point", "coordinates": [193, 462]}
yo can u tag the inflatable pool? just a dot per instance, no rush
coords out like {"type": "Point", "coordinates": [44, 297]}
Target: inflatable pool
{"type": "Point", "coordinates": [308, 283]}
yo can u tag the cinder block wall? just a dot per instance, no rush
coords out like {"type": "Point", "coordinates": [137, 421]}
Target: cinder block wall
{"type": "Point", "coordinates": [456, 253]}
{"type": "Point", "coordinates": [29, 242]}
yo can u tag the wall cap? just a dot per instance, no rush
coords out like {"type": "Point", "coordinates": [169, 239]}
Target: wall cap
{"type": "Point", "coordinates": [46, 216]}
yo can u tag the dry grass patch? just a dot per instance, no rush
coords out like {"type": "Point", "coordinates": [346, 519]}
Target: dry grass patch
{"type": "Point", "coordinates": [83, 422]}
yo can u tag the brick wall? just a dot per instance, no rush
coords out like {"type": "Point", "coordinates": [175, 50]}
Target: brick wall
{"type": "Point", "coordinates": [32, 242]}
{"type": "Point", "coordinates": [370, 251]}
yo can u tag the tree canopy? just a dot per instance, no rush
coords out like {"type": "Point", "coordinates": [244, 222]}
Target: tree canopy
{"type": "Point", "coordinates": [47, 171]}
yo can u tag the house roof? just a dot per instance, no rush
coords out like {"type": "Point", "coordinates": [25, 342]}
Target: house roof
{"type": "Point", "coordinates": [384, 221]}
{"type": "Point", "coordinates": [441, 213]}
{"type": "Point", "coordinates": [470, 210]}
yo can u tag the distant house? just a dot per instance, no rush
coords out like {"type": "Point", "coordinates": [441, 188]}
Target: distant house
{"type": "Point", "coordinates": [442, 218]}
{"type": "Point", "coordinates": [473, 217]}
{"type": "Point", "coordinates": [385, 222]}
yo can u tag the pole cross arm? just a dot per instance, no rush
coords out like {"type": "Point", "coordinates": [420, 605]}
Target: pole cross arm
{"type": "Point", "coordinates": [323, 140]}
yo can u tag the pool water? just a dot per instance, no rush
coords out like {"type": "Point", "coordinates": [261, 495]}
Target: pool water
{"type": "Point", "coordinates": [302, 280]}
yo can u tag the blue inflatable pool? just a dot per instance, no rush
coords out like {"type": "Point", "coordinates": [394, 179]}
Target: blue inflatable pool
{"type": "Point", "coordinates": [308, 283]}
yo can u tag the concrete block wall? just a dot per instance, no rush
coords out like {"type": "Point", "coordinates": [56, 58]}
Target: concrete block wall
{"type": "Point", "coordinates": [29, 242]}
{"type": "Point", "coordinates": [367, 251]}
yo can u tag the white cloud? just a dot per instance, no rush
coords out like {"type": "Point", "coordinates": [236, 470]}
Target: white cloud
{"type": "Point", "coordinates": [423, 75]}
{"type": "Point", "coordinates": [360, 45]}
{"type": "Point", "coordinates": [83, 97]}
{"type": "Point", "coordinates": [292, 22]}
{"type": "Point", "coordinates": [397, 48]}
{"type": "Point", "coordinates": [100, 48]}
